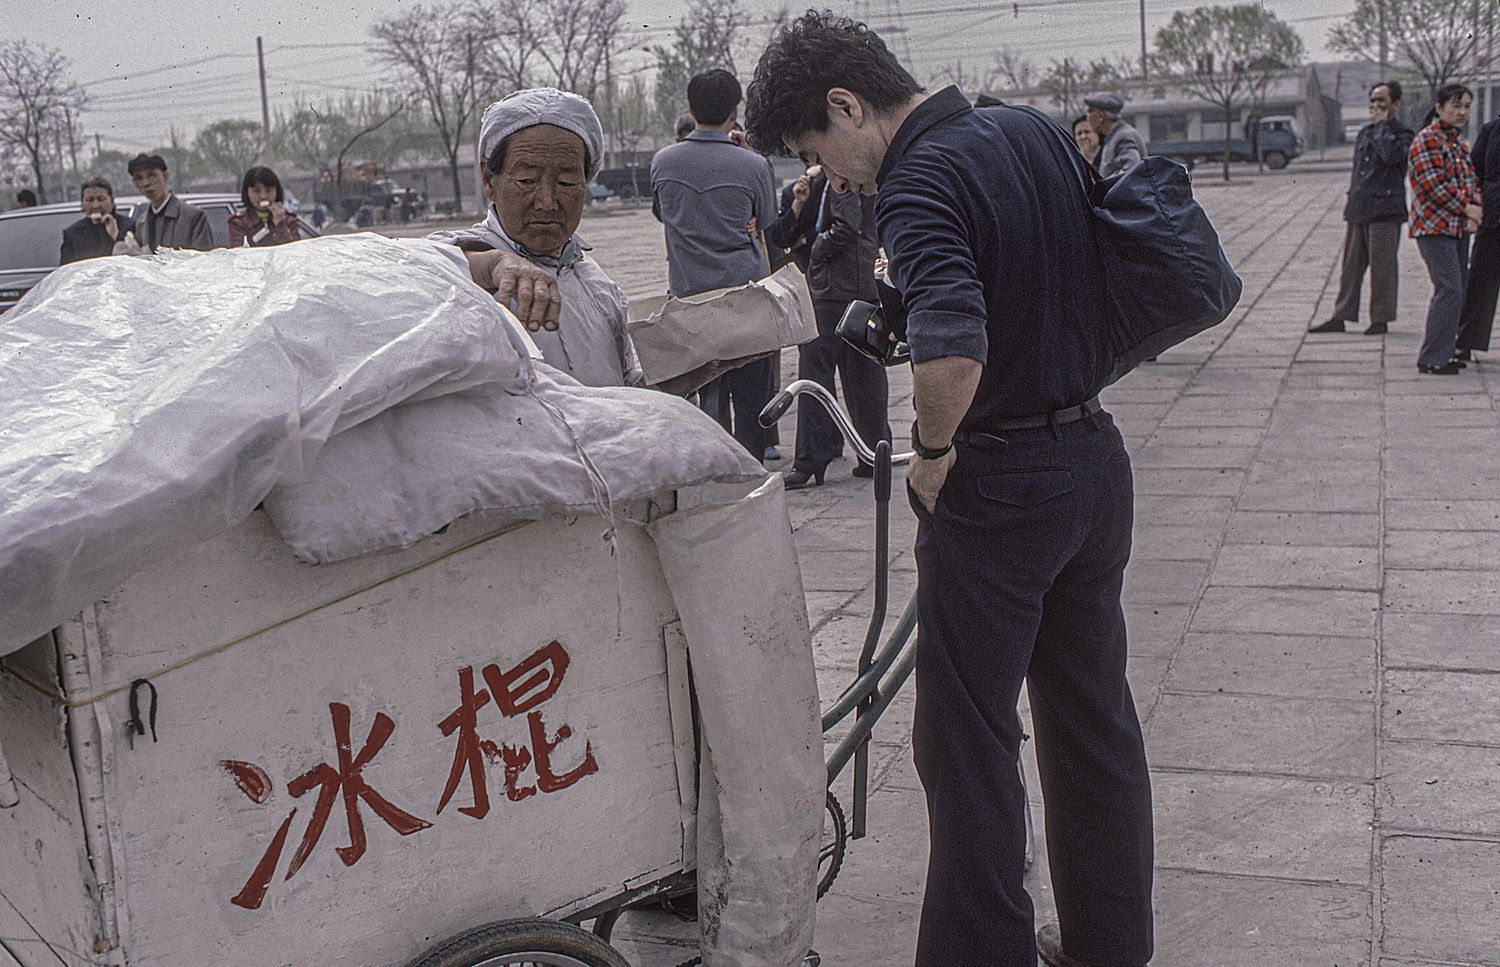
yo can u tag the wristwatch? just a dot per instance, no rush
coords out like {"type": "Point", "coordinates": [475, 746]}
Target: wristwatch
{"type": "Point", "coordinates": [927, 453]}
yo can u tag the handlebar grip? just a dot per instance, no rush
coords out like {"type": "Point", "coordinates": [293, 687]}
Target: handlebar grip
{"type": "Point", "coordinates": [776, 409]}
{"type": "Point", "coordinates": [883, 472]}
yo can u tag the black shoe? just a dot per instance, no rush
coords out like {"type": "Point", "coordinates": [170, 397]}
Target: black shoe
{"type": "Point", "coordinates": [801, 479]}
{"type": "Point", "coordinates": [863, 469]}
{"type": "Point", "coordinates": [1332, 325]}
{"type": "Point", "coordinates": [1049, 946]}
{"type": "Point", "coordinates": [1377, 329]}
{"type": "Point", "coordinates": [1456, 361]}
{"type": "Point", "coordinates": [1463, 355]}
{"type": "Point", "coordinates": [1447, 369]}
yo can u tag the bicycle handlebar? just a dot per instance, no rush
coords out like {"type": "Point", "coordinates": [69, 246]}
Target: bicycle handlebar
{"type": "Point", "coordinates": [782, 402]}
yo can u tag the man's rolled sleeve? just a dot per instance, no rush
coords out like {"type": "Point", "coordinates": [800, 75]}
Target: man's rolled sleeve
{"type": "Point", "coordinates": [924, 228]}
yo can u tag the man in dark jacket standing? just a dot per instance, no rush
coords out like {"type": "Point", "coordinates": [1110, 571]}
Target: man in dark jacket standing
{"type": "Point", "coordinates": [95, 234]}
{"type": "Point", "coordinates": [841, 268]}
{"type": "Point", "coordinates": [163, 220]}
{"type": "Point", "coordinates": [1374, 213]}
{"type": "Point", "coordinates": [1483, 288]}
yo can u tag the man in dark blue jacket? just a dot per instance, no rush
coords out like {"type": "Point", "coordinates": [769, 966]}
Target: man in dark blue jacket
{"type": "Point", "coordinates": [1374, 212]}
{"type": "Point", "coordinates": [1021, 486]}
{"type": "Point", "coordinates": [1483, 287]}
{"type": "Point", "coordinates": [95, 234]}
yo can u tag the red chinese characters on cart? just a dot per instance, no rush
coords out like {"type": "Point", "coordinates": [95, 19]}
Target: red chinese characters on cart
{"type": "Point", "coordinates": [515, 692]}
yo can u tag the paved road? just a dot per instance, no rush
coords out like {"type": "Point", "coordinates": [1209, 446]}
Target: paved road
{"type": "Point", "coordinates": [1314, 611]}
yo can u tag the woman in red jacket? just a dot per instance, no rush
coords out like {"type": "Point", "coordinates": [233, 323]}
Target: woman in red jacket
{"type": "Point", "coordinates": [1445, 211]}
{"type": "Point", "coordinates": [264, 220]}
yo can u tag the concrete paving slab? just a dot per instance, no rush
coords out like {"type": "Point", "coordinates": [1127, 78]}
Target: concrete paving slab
{"type": "Point", "coordinates": [1314, 738]}
{"type": "Point", "coordinates": [1294, 666]}
{"type": "Point", "coordinates": [1163, 582]}
{"type": "Point", "coordinates": [1155, 629]}
{"type": "Point", "coordinates": [1452, 550]}
{"type": "Point", "coordinates": [1208, 436]}
{"type": "Point", "coordinates": [1447, 591]}
{"type": "Point", "coordinates": [1157, 454]}
{"type": "Point", "coordinates": [1441, 787]}
{"type": "Point", "coordinates": [1188, 483]}
{"type": "Point", "coordinates": [1170, 542]}
{"type": "Point", "coordinates": [1456, 641]}
{"type": "Point", "coordinates": [1270, 565]}
{"type": "Point", "coordinates": [1441, 899]}
{"type": "Point", "coordinates": [1287, 611]}
{"type": "Point", "coordinates": [1209, 920]}
{"type": "Point", "coordinates": [1264, 826]}
{"type": "Point", "coordinates": [1293, 528]}
{"type": "Point", "coordinates": [1442, 515]}
{"type": "Point", "coordinates": [1422, 705]}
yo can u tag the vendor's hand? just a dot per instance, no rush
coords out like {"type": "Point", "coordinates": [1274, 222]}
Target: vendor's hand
{"type": "Point", "coordinates": [278, 213]}
{"type": "Point", "coordinates": [801, 188]}
{"type": "Point", "coordinates": [111, 227]}
{"type": "Point", "coordinates": [752, 226]}
{"type": "Point", "coordinates": [1474, 213]}
{"type": "Point", "coordinates": [513, 278]}
{"type": "Point", "coordinates": [695, 379]}
{"type": "Point", "coordinates": [738, 137]}
{"type": "Point", "coordinates": [927, 477]}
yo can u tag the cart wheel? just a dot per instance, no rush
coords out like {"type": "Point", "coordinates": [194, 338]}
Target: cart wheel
{"type": "Point", "coordinates": [523, 943]}
{"type": "Point", "coordinates": [831, 856]}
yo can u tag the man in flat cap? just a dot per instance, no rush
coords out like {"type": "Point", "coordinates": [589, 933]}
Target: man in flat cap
{"type": "Point", "coordinates": [1121, 145]}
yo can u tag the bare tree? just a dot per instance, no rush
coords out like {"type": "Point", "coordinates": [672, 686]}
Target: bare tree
{"type": "Point", "coordinates": [1067, 83]}
{"type": "Point", "coordinates": [705, 37]}
{"type": "Point", "coordinates": [1011, 71]}
{"type": "Point", "coordinates": [510, 34]}
{"type": "Point", "coordinates": [435, 48]}
{"type": "Point", "coordinates": [1225, 54]}
{"type": "Point", "coordinates": [579, 38]}
{"type": "Point", "coordinates": [1433, 38]}
{"type": "Point", "coordinates": [36, 97]}
{"type": "Point", "coordinates": [229, 147]}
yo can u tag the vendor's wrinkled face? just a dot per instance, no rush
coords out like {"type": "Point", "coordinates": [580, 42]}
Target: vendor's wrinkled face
{"type": "Point", "coordinates": [850, 151]}
{"type": "Point", "coordinates": [97, 200]}
{"type": "Point", "coordinates": [151, 182]}
{"type": "Point", "coordinates": [541, 189]}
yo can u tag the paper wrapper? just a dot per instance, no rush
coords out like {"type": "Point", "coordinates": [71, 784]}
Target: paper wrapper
{"type": "Point", "coordinates": [675, 336]}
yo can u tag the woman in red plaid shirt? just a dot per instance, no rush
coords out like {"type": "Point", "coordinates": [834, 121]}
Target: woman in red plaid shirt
{"type": "Point", "coordinates": [1445, 211]}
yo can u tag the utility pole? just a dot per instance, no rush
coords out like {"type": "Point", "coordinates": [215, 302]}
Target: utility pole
{"type": "Point", "coordinates": [72, 136]}
{"type": "Point", "coordinates": [98, 144]}
{"type": "Point", "coordinates": [1385, 42]}
{"type": "Point", "coordinates": [265, 104]}
{"type": "Point", "coordinates": [1145, 62]}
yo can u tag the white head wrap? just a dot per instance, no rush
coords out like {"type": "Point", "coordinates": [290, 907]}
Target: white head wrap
{"type": "Point", "coordinates": [543, 105]}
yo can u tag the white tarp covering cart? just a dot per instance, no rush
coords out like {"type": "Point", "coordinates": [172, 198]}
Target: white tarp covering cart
{"type": "Point", "coordinates": [442, 677]}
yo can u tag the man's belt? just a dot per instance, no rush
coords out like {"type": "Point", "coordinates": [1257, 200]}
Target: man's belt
{"type": "Point", "coordinates": [1071, 414]}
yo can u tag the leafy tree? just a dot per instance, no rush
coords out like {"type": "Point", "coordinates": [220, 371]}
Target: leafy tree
{"type": "Point", "coordinates": [37, 96]}
{"type": "Point", "coordinates": [229, 147]}
{"type": "Point", "coordinates": [1225, 54]}
{"type": "Point", "coordinates": [1433, 38]}
{"type": "Point", "coordinates": [433, 46]}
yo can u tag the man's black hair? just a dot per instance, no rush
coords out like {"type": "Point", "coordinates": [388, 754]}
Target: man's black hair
{"type": "Point", "coordinates": [146, 162]}
{"type": "Point", "coordinates": [1394, 87]}
{"type": "Point", "coordinates": [96, 182]}
{"type": "Point", "coordinates": [818, 51]}
{"type": "Point", "coordinates": [26, 197]}
{"type": "Point", "coordinates": [265, 178]}
{"type": "Point", "coordinates": [713, 95]}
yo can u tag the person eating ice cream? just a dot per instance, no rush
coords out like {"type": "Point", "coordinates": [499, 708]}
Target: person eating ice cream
{"type": "Point", "coordinates": [264, 219]}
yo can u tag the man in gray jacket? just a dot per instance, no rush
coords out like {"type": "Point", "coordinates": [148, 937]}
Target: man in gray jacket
{"type": "Point", "coordinates": [1121, 146]}
{"type": "Point", "coordinates": [1373, 214]}
{"type": "Point", "coordinates": [163, 221]}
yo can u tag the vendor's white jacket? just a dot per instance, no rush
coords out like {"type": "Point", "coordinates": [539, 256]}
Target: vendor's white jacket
{"type": "Point", "coordinates": [590, 344]}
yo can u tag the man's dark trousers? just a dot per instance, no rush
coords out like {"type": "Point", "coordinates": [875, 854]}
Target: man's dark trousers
{"type": "Point", "coordinates": [1482, 290]}
{"type": "Point", "coordinates": [1019, 577]}
{"type": "Point", "coordinates": [866, 392]}
{"type": "Point", "coordinates": [736, 399]}
{"type": "Point", "coordinates": [1369, 246]}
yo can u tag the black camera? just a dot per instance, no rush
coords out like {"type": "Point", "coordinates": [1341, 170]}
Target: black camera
{"type": "Point", "coordinates": [863, 326]}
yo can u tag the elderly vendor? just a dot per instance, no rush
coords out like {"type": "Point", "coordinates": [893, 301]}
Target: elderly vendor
{"type": "Point", "coordinates": [538, 149]}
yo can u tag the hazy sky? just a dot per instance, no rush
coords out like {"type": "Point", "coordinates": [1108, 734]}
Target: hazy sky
{"type": "Point", "coordinates": [162, 63]}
